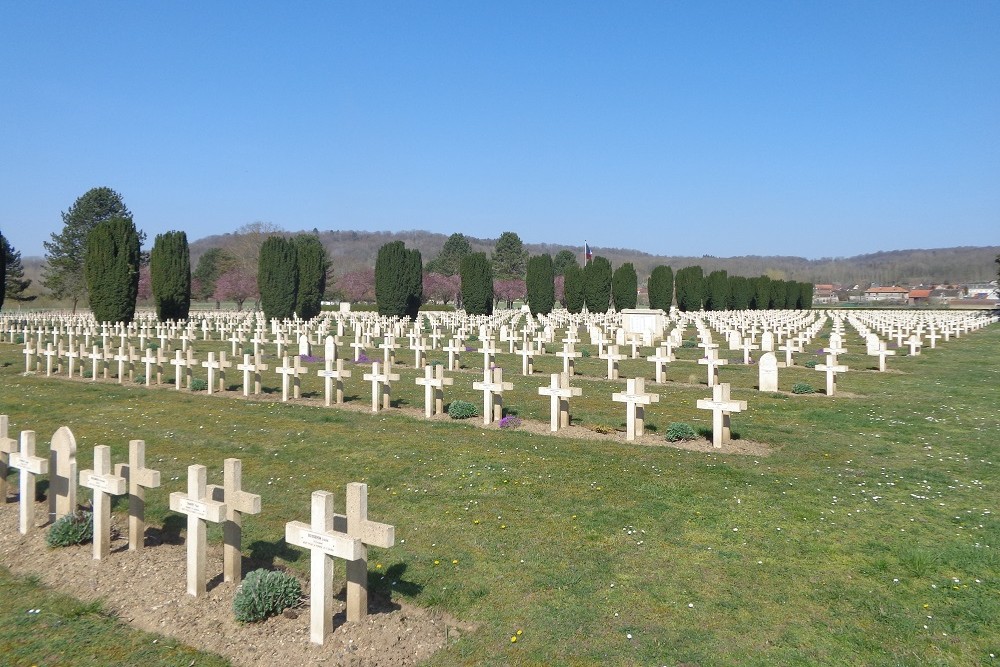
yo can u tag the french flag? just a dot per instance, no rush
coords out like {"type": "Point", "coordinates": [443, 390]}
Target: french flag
{"type": "Point", "coordinates": [588, 254]}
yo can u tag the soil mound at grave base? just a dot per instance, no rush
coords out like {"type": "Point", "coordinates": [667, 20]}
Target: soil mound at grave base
{"type": "Point", "coordinates": [147, 590]}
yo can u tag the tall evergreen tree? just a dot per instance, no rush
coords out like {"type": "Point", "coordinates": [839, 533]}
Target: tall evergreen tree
{"type": "Point", "coordinates": [3, 270]}
{"type": "Point", "coordinates": [540, 284]}
{"type": "Point", "coordinates": [660, 288]}
{"type": "Point", "coordinates": [805, 296]}
{"type": "Point", "coordinates": [63, 273]}
{"type": "Point", "coordinates": [574, 291]}
{"type": "Point", "coordinates": [597, 285]}
{"type": "Point", "coordinates": [313, 266]}
{"type": "Point", "coordinates": [398, 280]}
{"type": "Point", "coordinates": [15, 283]}
{"type": "Point", "coordinates": [449, 262]}
{"type": "Point", "coordinates": [739, 293]}
{"type": "Point", "coordinates": [762, 293]}
{"type": "Point", "coordinates": [717, 291]}
{"type": "Point", "coordinates": [111, 262]}
{"type": "Point", "coordinates": [510, 259]}
{"type": "Point", "coordinates": [562, 260]}
{"type": "Point", "coordinates": [625, 287]}
{"type": "Point", "coordinates": [477, 284]}
{"type": "Point", "coordinates": [689, 283]}
{"type": "Point", "coordinates": [278, 277]}
{"type": "Point", "coordinates": [170, 276]}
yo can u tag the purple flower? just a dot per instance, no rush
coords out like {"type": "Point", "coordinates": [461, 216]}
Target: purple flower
{"type": "Point", "coordinates": [510, 421]}
{"type": "Point", "coordinates": [309, 358]}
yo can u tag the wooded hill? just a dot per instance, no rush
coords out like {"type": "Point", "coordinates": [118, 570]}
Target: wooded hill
{"type": "Point", "coordinates": [352, 250]}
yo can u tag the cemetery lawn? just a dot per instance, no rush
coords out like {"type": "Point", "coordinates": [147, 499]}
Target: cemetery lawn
{"type": "Point", "coordinates": [64, 631]}
{"type": "Point", "coordinates": [868, 536]}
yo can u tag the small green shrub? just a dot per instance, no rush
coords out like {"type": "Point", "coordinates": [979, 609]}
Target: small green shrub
{"type": "Point", "coordinates": [140, 379]}
{"type": "Point", "coordinates": [19, 339]}
{"type": "Point", "coordinates": [585, 353]}
{"type": "Point", "coordinates": [265, 593]}
{"type": "Point", "coordinates": [198, 384]}
{"type": "Point", "coordinates": [462, 410]}
{"type": "Point", "coordinates": [678, 431]}
{"type": "Point", "coordinates": [87, 373]}
{"type": "Point", "coordinates": [803, 388]}
{"type": "Point", "coordinates": [75, 528]}
{"type": "Point", "coordinates": [689, 343]}
{"type": "Point", "coordinates": [153, 346]}
{"type": "Point", "coordinates": [248, 350]}
{"type": "Point", "coordinates": [810, 364]}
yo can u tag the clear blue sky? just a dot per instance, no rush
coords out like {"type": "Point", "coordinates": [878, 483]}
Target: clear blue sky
{"type": "Point", "coordinates": [794, 128]}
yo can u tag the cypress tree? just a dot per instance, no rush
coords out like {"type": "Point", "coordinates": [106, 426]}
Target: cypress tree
{"type": "Point", "coordinates": [477, 284]}
{"type": "Point", "coordinates": [278, 277]}
{"type": "Point", "coordinates": [414, 274]}
{"type": "Point", "coordinates": [625, 287]}
{"type": "Point", "coordinates": [111, 268]}
{"type": "Point", "coordinates": [3, 270]}
{"type": "Point", "coordinates": [170, 276]}
{"type": "Point", "coordinates": [540, 284]}
{"type": "Point", "coordinates": [597, 285]}
{"type": "Point", "coordinates": [689, 282]}
{"type": "Point", "coordinates": [573, 288]}
{"type": "Point", "coordinates": [762, 293]}
{"type": "Point", "coordinates": [739, 293]}
{"type": "Point", "coordinates": [716, 291]}
{"type": "Point", "coordinates": [313, 265]}
{"type": "Point", "coordinates": [391, 288]}
{"type": "Point", "coordinates": [660, 288]}
{"type": "Point", "coordinates": [805, 296]}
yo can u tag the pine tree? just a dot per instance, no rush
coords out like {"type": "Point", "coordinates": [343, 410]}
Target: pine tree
{"type": "Point", "coordinates": [111, 261]}
{"type": "Point", "coordinates": [170, 276]}
{"type": "Point", "coordinates": [574, 291]}
{"type": "Point", "coordinates": [313, 267]}
{"type": "Point", "coordinates": [510, 259]}
{"type": "Point", "coordinates": [477, 284]}
{"type": "Point", "coordinates": [625, 287]}
{"type": "Point", "coordinates": [562, 260]}
{"type": "Point", "coordinates": [660, 288]}
{"type": "Point", "coordinates": [540, 284]}
{"type": "Point", "coordinates": [449, 262]}
{"type": "Point", "coordinates": [597, 285]}
{"type": "Point", "coordinates": [15, 283]}
{"type": "Point", "coordinates": [278, 277]}
{"type": "Point", "coordinates": [64, 273]}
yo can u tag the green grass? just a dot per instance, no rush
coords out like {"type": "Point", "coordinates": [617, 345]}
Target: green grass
{"type": "Point", "coordinates": [872, 505]}
{"type": "Point", "coordinates": [65, 631]}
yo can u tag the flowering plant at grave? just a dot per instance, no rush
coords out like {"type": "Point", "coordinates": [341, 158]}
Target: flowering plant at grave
{"type": "Point", "coordinates": [469, 348]}
{"type": "Point", "coordinates": [363, 359]}
{"type": "Point", "coordinates": [307, 358]}
{"type": "Point", "coordinates": [510, 421]}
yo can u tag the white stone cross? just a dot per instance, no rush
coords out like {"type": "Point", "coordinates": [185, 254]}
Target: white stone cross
{"type": "Point", "coordinates": [527, 353]}
{"type": "Point", "coordinates": [492, 387]}
{"type": "Point", "coordinates": [882, 352]}
{"type": "Point", "coordinates": [330, 374]}
{"type": "Point", "coordinates": [568, 355]}
{"type": "Point", "coordinates": [238, 502]}
{"type": "Point", "coordinates": [747, 347]}
{"type": "Point", "coordinates": [254, 367]}
{"type": "Point", "coordinates": [381, 387]}
{"type": "Point", "coordinates": [150, 360]}
{"type": "Point", "coordinates": [454, 351]}
{"type": "Point", "coordinates": [613, 357]}
{"type": "Point", "coordinates": [434, 383]}
{"type": "Point", "coordinates": [914, 342]}
{"type": "Point", "coordinates": [712, 361]}
{"type": "Point", "coordinates": [721, 406]}
{"type": "Point", "coordinates": [8, 446]}
{"type": "Point", "coordinates": [104, 485]}
{"type": "Point", "coordinates": [122, 357]}
{"type": "Point", "coordinates": [389, 347]}
{"type": "Point", "coordinates": [368, 533]}
{"type": "Point", "coordinates": [199, 508]}
{"type": "Point", "coordinates": [62, 474]}
{"type": "Point", "coordinates": [139, 478]}
{"type": "Point", "coordinates": [489, 350]}
{"type": "Point", "coordinates": [28, 466]}
{"type": "Point", "coordinates": [419, 348]}
{"type": "Point", "coordinates": [660, 360]}
{"type": "Point", "coordinates": [49, 354]}
{"type": "Point", "coordinates": [559, 393]}
{"type": "Point", "coordinates": [286, 372]}
{"type": "Point", "coordinates": [72, 354]}
{"type": "Point", "coordinates": [30, 357]}
{"type": "Point", "coordinates": [831, 368]}
{"type": "Point", "coordinates": [212, 365]}
{"type": "Point", "coordinates": [178, 362]}
{"type": "Point", "coordinates": [324, 544]}
{"type": "Point", "coordinates": [635, 398]}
